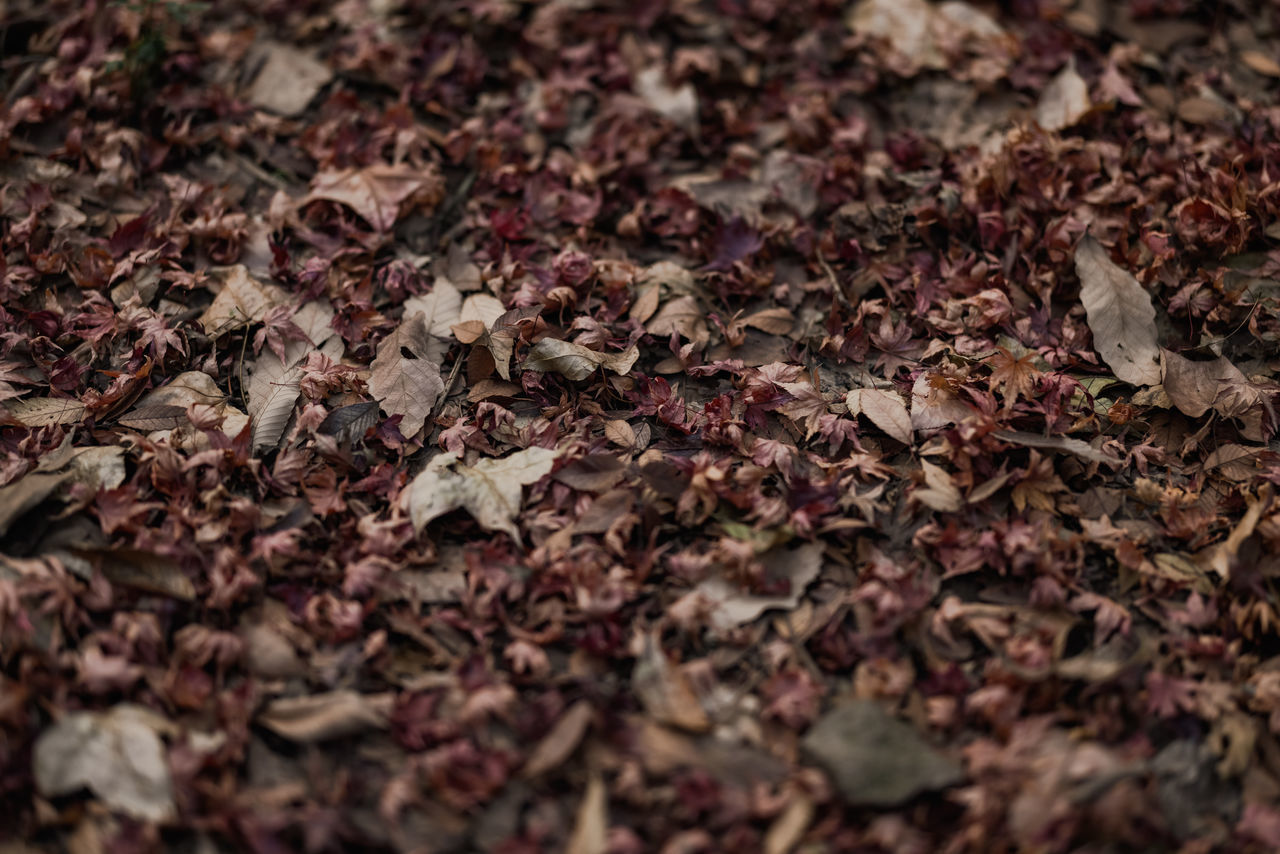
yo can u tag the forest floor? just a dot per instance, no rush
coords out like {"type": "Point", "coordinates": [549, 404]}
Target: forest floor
{"type": "Point", "coordinates": [597, 426]}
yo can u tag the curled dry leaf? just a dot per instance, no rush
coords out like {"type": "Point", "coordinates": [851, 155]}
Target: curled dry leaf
{"type": "Point", "coordinates": [242, 300]}
{"type": "Point", "coordinates": [1120, 313]}
{"type": "Point", "coordinates": [116, 755]}
{"type": "Point", "coordinates": [551, 355]}
{"type": "Point", "coordinates": [377, 192]}
{"type": "Point", "coordinates": [489, 490]}
{"type": "Point", "coordinates": [885, 410]}
{"type": "Point", "coordinates": [321, 717]}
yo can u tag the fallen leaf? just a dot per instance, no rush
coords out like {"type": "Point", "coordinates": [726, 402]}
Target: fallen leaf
{"type": "Point", "coordinates": [376, 192]}
{"type": "Point", "coordinates": [593, 473]}
{"type": "Point", "coordinates": [287, 80]}
{"type": "Point", "coordinates": [775, 321]}
{"type": "Point", "coordinates": [682, 315]}
{"type": "Point", "coordinates": [489, 490]}
{"type": "Point", "coordinates": [731, 607]}
{"type": "Point", "coordinates": [1120, 314]}
{"type": "Point", "coordinates": [940, 492]}
{"type": "Point", "coordinates": [116, 755]}
{"type": "Point", "coordinates": [789, 827]}
{"type": "Point", "coordinates": [403, 378]}
{"type": "Point", "coordinates": [1261, 62]}
{"type": "Point", "coordinates": [46, 411]}
{"type": "Point", "coordinates": [1064, 101]}
{"type": "Point", "coordinates": [560, 743]}
{"type": "Point", "coordinates": [875, 759]}
{"type": "Point", "coordinates": [1062, 444]}
{"type": "Point", "coordinates": [590, 828]}
{"type": "Point", "coordinates": [242, 300]}
{"type": "Point", "coordinates": [440, 309]}
{"type": "Point", "coordinates": [678, 104]}
{"type": "Point", "coordinates": [665, 691]}
{"type": "Point", "coordinates": [551, 355]}
{"type": "Point", "coordinates": [885, 410]}
{"type": "Point", "coordinates": [321, 717]}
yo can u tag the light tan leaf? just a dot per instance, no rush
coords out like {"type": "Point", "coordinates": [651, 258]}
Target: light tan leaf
{"type": "Point", "coordinates": [1063, 444]}
{"type": "Point", "coordinates": [665, 691]}
{"type": "Point", "coordinates": [272, 392]}
{"type": "Point", "coordinates": [46, 411]}
{"type": "Point", "coordinates": [287, 80]}
{"type": "Point", "coordinates": [940, 492]}
{"type": "Point", "coordinates": [243, 299]}
{"type": "Point", "coordinates": [375, 192]}
{"type": "Point", "coordinates": [1261, 62]}
{"type": "Point", "coordinates": [441, 308]}
{"type": "Point", "coordinates": [682, 315]}
{"type": "Point", "coordinates": [933, 407]}
{"type": "Point", "coordinates": [406, 385]}
{"type": "Point", "coordinates": [646, 303]}
{"type": "Point", "coordinates": [482, 307]}
{"type": "Point", "coordinates": [117, 755]}
{"type": "Point", "coordinates": [560, 743]}
{"type": "Point", "coordinates": [1193, 386]}
{"type": "Point", "coordinates": [321, 717]}
{"type": "Point", "coordinates": [551, 355]}
{"type": "Point", "coordinates": [1120, 314]}
{"type": "Point", "coordinates": [789, 827]}
{"type": "Point", "coordinates": [490, 490]}
{"type": "Point", "coordinates": [1064, 101]}
{"type": "Point", "coordinates": [775, 321]}
{"type": "Point", "coordinates": [885, 410]}
{"type": "Point", "coordinates": [590, 828]}
{"type": "Point", "coordinates": [620, 433]}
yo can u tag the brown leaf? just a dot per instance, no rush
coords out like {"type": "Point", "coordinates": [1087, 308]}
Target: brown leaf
{"type": "Point", "coordinates": [1062, 444]}
{"type": "Point", "coordinates": [590, 829]}
{"type": "Point", "coordinates": [321, 717]}
{"type": "Point", "coordinates": [593, 473]}
{"type": "Point", "coordinates": [1120, 314]}
{"type": "Point", "coordinates": [287, 80]}
{"type": "Point", "coordinates": [775, 321]}
{"type": "Point", "coordinates": [940, 492]}
{"type": "Point", "coordinates": [678, 104]}
{"type": "Point", "coordinates": [730, 606]}
{"type": "Point", "coordinates": [46, 411]}
{"type": "Point", "coordinates": [682, 315]}
{"type": "Point", "coordinates": [1064, 101]}
{"type": "Point", "coordinates": [560, 743]}
{"type": "Point", "coordinates": [376, 192]}
{"type": "Point", "coordinates": [242, 300]}
{"type": "Point", "coordinates": [402, 377]}
{"type": "Point", "coordinates": [551, 355]}
{"type": "Point", "coordinates": [885, 410]}
{"type": "Point", "coordinates": [665, 691]}
{"type": "Point", "coordinates": [1192, 386]}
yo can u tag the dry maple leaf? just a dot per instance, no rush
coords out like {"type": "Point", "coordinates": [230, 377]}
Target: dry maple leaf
{"type": "Point", "coordinates": [1014, 377]}
{"type": "Point", "coordinates": [1120, 313]}
{"type": "Point", "coordinates": [489, 490]}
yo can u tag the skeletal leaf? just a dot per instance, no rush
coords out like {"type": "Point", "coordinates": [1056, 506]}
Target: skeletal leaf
{"type": "Point", "coordinates": [117, 755]}
{"type": "Point", "coordinates": [490, 490]}
{"type": "Point", "coordinates": [576, 362]}
{"type": "Point", "coordinates": [885, 410]}
{"type": "Point", "coordinates": [403, 379]}
{"type": "Point", "coordinates": [1120, 313]}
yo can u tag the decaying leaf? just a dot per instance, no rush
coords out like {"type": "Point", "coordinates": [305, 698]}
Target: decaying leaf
{"type": "Point", "coordinates": [376, 192]}
{"type": "Point", "coordinates": [885, 410]}
{"type": "Point", "coordinates": [875, 759]}
{"type": "Point", "coordinates": [576, 362]}
{"type": "Point", "coordinates": [46, 411]}
{"type": "Point", "coordinates": [1121, 316]}
{"type": "Point", "coordinates": [403, 378]}
{"type": "Point", "coordinates": [440, 309]}
{"type": "Point", "coordinates": [95, 468]}
{"type": "Point", "coordinates": [242, 300]}
{"type": "Point", "coordinates": [679, 104]}
{"type": "Point", "coordinates": [116, 755]}
{"type": "Point", "coordinates": [730, 606]}
{"type": "Point", "coordinates": [489, 490]}
{"type": "Point", "coordinates": [273, 386]}
{"type": "Point", "coordinates": [1063, 444]}
{"type": "Point", "coordinates": [940, 492]}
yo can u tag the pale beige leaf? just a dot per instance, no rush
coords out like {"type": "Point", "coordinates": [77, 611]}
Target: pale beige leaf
{"type": "Point", "coordinates": [551, 355]}
{"type": "Point", "coordinates": [1062, 444]}
{"type": "Point", "coordinates": [620, 433]}
{"type": "Point", "coordinates": [679, 104]}
{"type": "Point", "coordinates": [242, 300]}
{"type": "Point", "coordinates": [682, 315]}
{"type": "Point", "coordinates": [46, 411]}
{"type": "Point", "coordinates": [730, 606]}
{"type": "Point", "coordinates": [789, 827]}
{"type": "Point", "coordinates": [932, 407]}
{"type": "Point", "coordinates": [482, 307]}
{"type": "Point", "coordinates": [375, 192]}
{"type": "Point", "coordinates": [287, 80]}
{"type": "Point", "coordinates": [885, 410]}
{"type": "Point", "coordinates": [406, 385]}
{"type": "Point", "coordinates": [940, 492]}
{"type": "Point", "coordinates": [646, 303]}
{"type": "Point", "coordinates": [490, 490]}
{"type": "Point", "coordinates": [321, 717]}
{"type": "Point", "coordinates": [1261, 62]}
{"type": "Point", "coordinates": [440, 309]}
{"type": "Point", "coordinates": [1120, 314]}
{"type": "Point", "coordinates": [1064, 101]}
{"type": "Point", "coordinates": [117, 755]}
{"type": "Point", "coordinates": [272, 392]}
{"type": "Point", "coordinates": [1193, 386]}
{"type": "Point", "coordinates": [590, 828]}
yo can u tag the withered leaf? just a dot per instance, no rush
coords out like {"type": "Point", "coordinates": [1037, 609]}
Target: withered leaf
{"type": "Point", "coordinates": [885, 410]}
{"type": "Point", "coordinates": [403, 378]}
{"type": "Point", "coordinates": [489, 490]}
{"type": "Point", "coordinates": [665, 691]}
{"type": "Point", "coordinates": [376, 192]}
{"type": "Point", "coordinates": [287, 80]}
{"type": "Point", "coordinates": [590, 828]}
{"type": "Point", "coordinates": [940, 492]}
{"type": "Point", "coordinates": [1064, 101]}
{"type": "Point", "coordinates": [1120, 313]}
{"type": "Point", "coordinates": [730, 606]}
{"type": "Point", "coordinates": [321, 717]}
{"type": "Point", "coordinates": [1063, 444]}
{"type": "Point", "coordinates": [242, 300]}
{"type": "Point", "coordinates": [46, 411]}
{"type": "Point", "coordinates": [560, 743]}
{"type": "Point", "coordinates": [593, 473]}
{"type": "Point", "coordinates": [551, 355]}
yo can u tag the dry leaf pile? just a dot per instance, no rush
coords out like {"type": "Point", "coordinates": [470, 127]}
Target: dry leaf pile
{"type": "Point", "coordinates": [604, 427]}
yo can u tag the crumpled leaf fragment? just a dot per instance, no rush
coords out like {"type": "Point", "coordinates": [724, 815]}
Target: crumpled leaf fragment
{"type": "Point", "coordinates": [377, 192]}
{"type": "Point", "coordinates": [1120, 314]}
{"type": "Point", "coordinates": [875, 759]}
{"type": "Point", "coordinates": [116, 755]}
{"type": "Point", "coordinates": [551, 355]}
{"type": "Point", "coordinates": [489, 490]}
